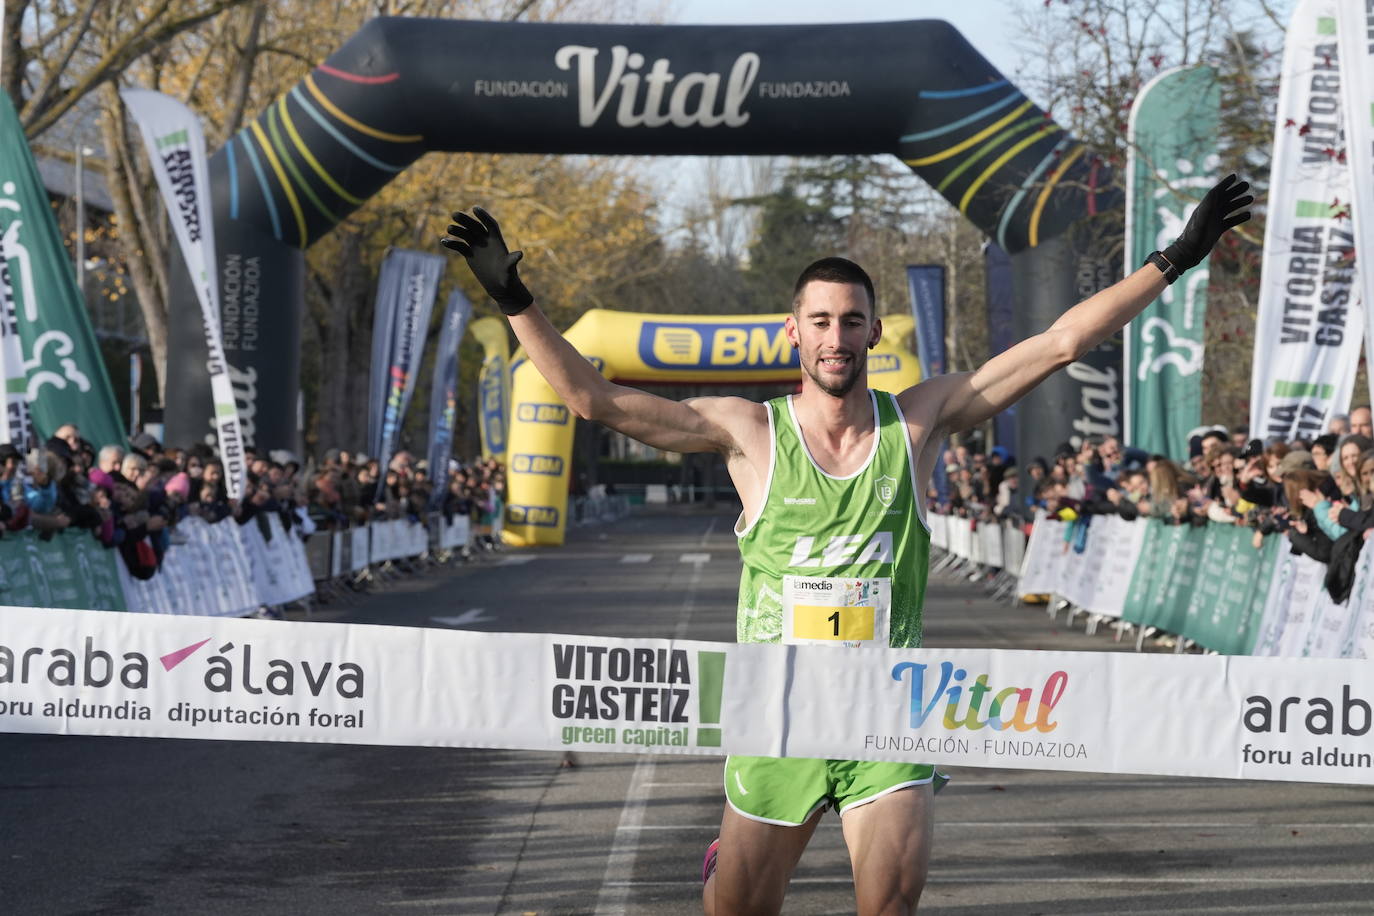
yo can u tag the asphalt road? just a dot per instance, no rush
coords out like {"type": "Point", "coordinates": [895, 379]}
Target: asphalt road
{"type": "Point", "coordinates": [102, 825]}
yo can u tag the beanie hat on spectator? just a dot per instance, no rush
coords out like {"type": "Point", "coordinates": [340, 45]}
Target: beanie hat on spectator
{"type": "Point", "coordinates": [360, 459]}
{"type": "Point", "coordinates": [1297, 460]}
{"type": "Point", "coordinates": [102, 480]}
{"type": "Point", "coordinates": [1194, 446]}
{"type": "Point", "coordinates": [59, 447]}
{"type": "Point", "coordinates": [180, 485]}
{"type": "Point", "coordinates": [331, 456]}
{"type": "Point", "coordinates": [145, 444]}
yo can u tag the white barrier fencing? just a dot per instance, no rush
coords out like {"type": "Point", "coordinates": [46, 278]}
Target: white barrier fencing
{"type": "Point", "coordinates": [1207, 585]}
{"type": "Point", "coordinates": [143, 675]}
{"type": "Point", "coordinates": [988, 551]}
{"type": "Point", "coordinates": [229, 570]}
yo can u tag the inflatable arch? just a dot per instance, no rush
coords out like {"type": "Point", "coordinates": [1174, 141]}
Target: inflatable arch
{"type": "Point", "coordinates": [632, 347]}
{"type": "Point", "coordinates": [402, 87]}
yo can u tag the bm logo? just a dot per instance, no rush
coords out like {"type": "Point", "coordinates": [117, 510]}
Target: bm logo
{"type": "Point", "coordinates": [542, 413]}
{"type": "Point", "coordinates": [551, 465]}
{"type": "Point", "coordinates": [882, 362]}
{"type": "Point", "coordinates": [690, 345]}
{"type": "Point", "coordinates": [539, 516]}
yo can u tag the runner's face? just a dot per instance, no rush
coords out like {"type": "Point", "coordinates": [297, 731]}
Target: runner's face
{"type": "Point", "coordinates": [833, 328]}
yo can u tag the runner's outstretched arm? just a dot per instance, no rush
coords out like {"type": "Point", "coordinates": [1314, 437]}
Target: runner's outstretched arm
{"type": "Point", "coordinates": [694, 425]}
{"type": "Point", "coordinates": [968, 398]}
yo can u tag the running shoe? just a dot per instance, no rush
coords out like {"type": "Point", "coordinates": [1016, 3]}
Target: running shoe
{"type": "Point", "coordinates": [708, 865]}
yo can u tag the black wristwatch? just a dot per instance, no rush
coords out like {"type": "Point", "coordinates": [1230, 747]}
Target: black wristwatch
{"type": "Point", "coordinates": [1157, 259]}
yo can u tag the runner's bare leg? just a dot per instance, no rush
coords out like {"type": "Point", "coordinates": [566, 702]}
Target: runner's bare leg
{"type": "Point", "coordinates": [754, 865]}
{"type": "Point", "coordinates": [889, 843]}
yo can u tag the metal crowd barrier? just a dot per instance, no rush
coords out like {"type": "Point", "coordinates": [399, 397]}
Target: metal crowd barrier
{"type": "Point", "coordinates": [342, 560]}
{"type": "Point", "coordinates": [990, 553]}
{"type": "Point", "coordinates": [586, 510]}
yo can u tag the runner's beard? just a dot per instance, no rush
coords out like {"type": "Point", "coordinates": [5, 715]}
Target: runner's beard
{"type": "Point", "coordinates": [836, 388]}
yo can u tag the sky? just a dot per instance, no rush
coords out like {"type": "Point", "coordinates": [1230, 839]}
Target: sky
{"type": "Point", "coordinates": [987, 24]}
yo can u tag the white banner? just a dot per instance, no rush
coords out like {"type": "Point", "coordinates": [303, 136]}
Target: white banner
{"type": "Point", "coordinates": [207, 575]}
{"type": "Point", "coordinates": [359, 555]}
{"type": "Point", "coordinates": [939, 533]}
{"type": "Point", "coordinates": [1044, 558]}
{"type": "Point", "coordinates": [1355, 26]}
{"type": "Point", "coordinates": [280, 572]}
{"type": "Point", "coordinates": [176, 148]}
{"type": "Point", "coordinates": [1118, 566]}
{"type": "Point", "coordinates": [454, 534]}
{"type": "Point", "coordinates": [15, 428]}
{"type": "Point", "coordinates": [1310, 323]}
{"type": "Point", "coordinates": [98, 673]}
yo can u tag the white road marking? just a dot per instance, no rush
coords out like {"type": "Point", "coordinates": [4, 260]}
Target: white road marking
{"type": "Point", "coordinates": [517, 560]}
{"type": "Point", "coordinates": [614, 898]}
{"type": "Point", "coordinates": [468, 617]}
{"type": "Point", "coordinates": [697, 558]}
{"type": "Point", "coordinates": [707, 533]}
{"type": "Point", "coordinates": [636, 558]}
{"type": "Point", "coordinates": [686, 785]}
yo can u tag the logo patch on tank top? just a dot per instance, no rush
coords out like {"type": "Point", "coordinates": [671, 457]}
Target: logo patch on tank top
{"type": "Point", "coordinates": [886, 489]}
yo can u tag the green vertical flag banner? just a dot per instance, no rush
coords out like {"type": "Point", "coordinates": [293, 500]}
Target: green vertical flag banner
{"type": "Point", "coordinates": [1171, 164]}
{"type": "Point", "coordinates": [67, 382]}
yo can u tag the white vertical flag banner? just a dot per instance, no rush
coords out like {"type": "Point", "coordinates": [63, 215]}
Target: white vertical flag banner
{"type": "Point", "coordinates": [15, 429]}
{"type": "Point", "coordinates": [1309, 329]}
{"type": "Point", "coordinates": [176, 147]}
{"type": "Point", "coordinates": [1355, 25]}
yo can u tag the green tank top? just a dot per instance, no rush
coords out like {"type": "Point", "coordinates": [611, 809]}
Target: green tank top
{"type": "Point", "coordinates": [817, 536]}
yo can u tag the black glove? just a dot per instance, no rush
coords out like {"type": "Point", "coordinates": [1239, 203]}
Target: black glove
{"type": "Point", "coordinates": [1209, 221]}
{"type": "Point", "coordinates": [479, 240]}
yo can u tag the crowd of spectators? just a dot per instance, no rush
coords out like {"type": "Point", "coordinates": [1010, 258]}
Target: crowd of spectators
{"type": "Point", "coordinates": [1318, 491]}
{"type": "Point", "coordinates": [132, 499]}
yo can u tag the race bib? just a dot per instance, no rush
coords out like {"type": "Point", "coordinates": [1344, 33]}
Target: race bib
{"type": "Point", "coordinates": [835, 612]}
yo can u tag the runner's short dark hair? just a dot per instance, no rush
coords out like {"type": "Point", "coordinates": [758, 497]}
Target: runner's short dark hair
{"type": "Point", "coordinates": [834, 270]}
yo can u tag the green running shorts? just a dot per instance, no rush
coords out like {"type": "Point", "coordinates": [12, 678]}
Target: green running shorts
{"type": "Point", "coordinates": [788, 791]}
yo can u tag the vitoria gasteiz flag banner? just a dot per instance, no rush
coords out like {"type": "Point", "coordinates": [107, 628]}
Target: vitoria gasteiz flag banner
{"type": "Point", "coordinates": [1355, 26]}
{"type": "Point", "coordinates": [176, 148]}
{"type": "Point", "coordinates": [1171, 163]}
{"type": "Point", "coordinates": [1310, 323]}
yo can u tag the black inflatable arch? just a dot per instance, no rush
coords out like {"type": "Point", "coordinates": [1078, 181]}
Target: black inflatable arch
{"type": "Point", "coordinates": [403, 87]}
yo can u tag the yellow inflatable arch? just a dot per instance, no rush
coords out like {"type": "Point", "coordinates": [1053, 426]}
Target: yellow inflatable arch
{"type": "Point", "coordinates": [638, 348]}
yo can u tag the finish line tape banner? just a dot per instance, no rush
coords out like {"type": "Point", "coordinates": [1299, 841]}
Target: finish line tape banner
{"type": "Point", "coordinates": [102, 673]}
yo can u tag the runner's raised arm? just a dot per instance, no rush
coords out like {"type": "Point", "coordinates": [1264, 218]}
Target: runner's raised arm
{"type": "Point", "coordinates": [694, 425]}
{"type": "Point", "coordinates": [969, 398]}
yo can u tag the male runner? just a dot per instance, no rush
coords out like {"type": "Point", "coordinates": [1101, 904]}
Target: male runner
{"type": "Point", "coordinates": [830, 481]}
